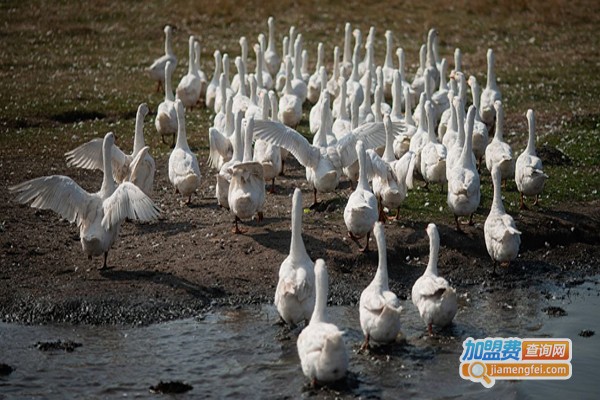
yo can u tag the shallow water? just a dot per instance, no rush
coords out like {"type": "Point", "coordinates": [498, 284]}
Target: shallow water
{"type": "Point", "coordinates": [244, 354]}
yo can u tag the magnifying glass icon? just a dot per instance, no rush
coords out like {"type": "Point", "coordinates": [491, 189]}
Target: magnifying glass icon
{"type": "Point", "coordinates": [478, 370]}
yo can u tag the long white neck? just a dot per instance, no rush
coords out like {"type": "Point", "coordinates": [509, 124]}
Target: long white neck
{"type": "Point", "coordinates": [223, 88]}
{"type": "Point", "coordinates": [263, 47]}
{"type": "Point", "coordinates": [248, 153]}
{"type": "Point", "coordinates": [491, 75]}
{"type": "Point", "coordinates": [271, 45]}
{"type": "Point", "coordinates": [427, 77]}
{"type": "Point", "coordinates": [321, 288]}
{"type": "Point", "coordinates": [443, 83]}
{"type": "Point", "coordinates": [497, 204]}
{"type": "Point", "coordinates": [304, 68]}
{"type": "Point", "coordinates": [238, 140]}
{"type": "Point", "coordinates": [457, 60]}
{"type": "Point", "coordinates": [466, 159]}
{"type": "Point", "coordinates": [319, 57]}
{"type": "Point", "coordinates": [253, 86]}
{"type": "Point", "coordinates": [347, 44]}
{"type": "Point", "coordinates": [531, 142]}
{"type": "Point", "coordinates": [274, 106]}
{"type": "Point", "coordinates": [108, 182]}
{"type": "Point", "coordinates": [138, 138]}
{"type": "Point", "coordinates": [381, 277]}
{"type": "Point", "coordinates": [226, 70]}
{"type": "Point", "coordinates": [343, 93]}
{"type": "Point", "coordinates": [388, 153]}
{"type": "Point", "coordinates": [422, 58]}
{"type": "Point", "coordinates": [229, 118]}
{"type": "Point", "coordinates": [462, 87]}
{"type": "Point", "coordinates": [460, 121]}
{"type": "Point", "coordinates": [430, 124]}
{"type": "Point", "coordinates": [401, 62]}
{"type": "Point", "coordinates": [407, 108]}
{"type": "Point", "coordinates": [397, 94]}
{"type": "Point", "coordinates": [355, 77]}
{"type": "Point", "coordinates": [434, 249]}
{"type": "Point", "coordinates": [320, 138]}
{"type": "Point", "coordinates": [259, 66]}
{"type": "Point", "coordinates": [168, 86]}
{"type": "Point", "coordinates": [298, 58]}
{"type": "Point", "coordinates": [218, 62]}
{"type": "Point", "coordinates": [241, 67]}
{"type": "Point", "coordinates": [388, 49]}
{"type": "Point", "coordinates": [288, 76]}
{"type": "Point", "coordinates": [285, 46]}
{"type": "Point", "coordinates": [354, 113]}
{"type": "Point", "coordinates": [378, 97]}
{"type": "Point", "coordinates": [292, 39]}
{"type": "Point", "coordinates": [182, 142]}
{"type": "Point", "coordinates": [244, 49]}
{"type": "Point", "coordinates": [363, 182]}
{"type": "Point", "coordinates": [499, 135]}
{"type": "Point", "coordinates": [323, 79]}
{"type": "Point", "coordinates": [168, 41]}
{"type": "Point", "coordinates": [453, 126]}
{"type": "Point", "coordinates": [367, 97]}
{"type": "Point", "coordinates": [297, 249]}
{"type": "Point", "coordinates": [197, 53]}
{"type": "Point", "coordinates": [265, 106]}
{"type": "Point", "coordinates": [336, 63]}
{"type": "Point", "coordinates": [421, 111]}
{"type": "Point", "coordinates": [430, 54]}
{"type": "Point", "coordinates": [476, 91]}
{"type": "Point", "coordinates": [191, 61]}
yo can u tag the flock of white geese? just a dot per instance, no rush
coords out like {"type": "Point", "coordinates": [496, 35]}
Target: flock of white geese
{"type": "Point", "coordinates": [427, 133]}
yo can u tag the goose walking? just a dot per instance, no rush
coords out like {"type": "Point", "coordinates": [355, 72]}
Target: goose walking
{"type": "Point", "coordinates": [272, 59]}
{"type": "Point", "coordinates": [224, 175]}
{"type": "Point", "coordinates": [490, 94]}
{"type": "Point", "coordinates": [138, 167]}
{"type": "Point", "coordinates": [98, 215]}
{"type": "Point", "coordinates": [498, 152]}
{"type": "Point", "coordinates": [295, 293]}
{"type": "Point", "coordinates": [184, 172]}
{"type": "Point", "coordinates": [432, 294]}
{"type": "Point", "coordinates": [529, 173]}
{"type": "Point", "coordinates": [157, 69]}
{"type": "Point", "coordinates": [321, 347]}
{"type": "Point", "coordinates": [190, 86]}
{"type": "Point", "coordinates": [166, 115]}
{"type": "Point", "coordinates": [379, 307]}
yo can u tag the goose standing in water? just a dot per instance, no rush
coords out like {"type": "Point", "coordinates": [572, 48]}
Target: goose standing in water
{"type": "Point", "coordinates": [379, 307]}
{"type": "Point", "coordinates": [157, 69]}
{"type": "Point", "coordinates": [498, 152]}
{"type": "Point", "coordinates": [490, 94]}
{"type": "Point", "coordinates": [138, 167]}
{"type": "Point", "coordinates": [321, 347]}
{"type": "Point", "coordinates": [184, 172]}
{"type": "Point", "coordinates": [529, 173]}
{"type": "Point", "coordinates": [247, 187]}
{"type": "Point", "coordinates": [361, 212]}
{"type": "Point", "coordinates": [166, 115]}
{"type": "Point", "coordinates": [295, 293]}
{"type": "Point", "coordinates": [190, 86]}
{"type": "Point", "coordinates": [464, 190]}
{"type": "Point", "coordinates": [502, 239]}
{"type": "Point", "coordinates": [432, 294]}
{"type": "Point", "coordinates": [98, 215]}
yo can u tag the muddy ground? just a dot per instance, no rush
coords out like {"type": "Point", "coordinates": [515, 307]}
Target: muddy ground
{"type": "Point", "coordinates": [189, 261]}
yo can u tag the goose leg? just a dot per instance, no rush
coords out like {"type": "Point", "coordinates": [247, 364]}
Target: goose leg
{"type": "Point", "coordinates": [237, 230]}
{"type": "Point", "coordinates": [272, 190]}
{"type": "Point", "coordinates": [458, 228]}
{"type": "Point", "coordinates": [430, 329]}
{"type": "Point", "coordinates": [471, 223]}
{"type": "Point", "coordinates": [158, 86]}
{"type": "Point", "coordinates": [366, 248]}
{"type": "Point", "coordinates": [315, 202]}
{"type": "Point", "coordinates": [537, 200]}
{"type": "Point", "coordinates": [397, 217]}
{"type": "Point", "coordinates": [522, 206]}
{"type": "Point", "coordinates": [104, 265]}
{"type": "Point", "coordinates": [173, 144]}
{"type": "Point", "coordinates": [365, 345]}
{"type": "Point", "coordinates": [282, 173]}
{"type": "Point", "coordinates": [261, 216]}
{"type": "Point", "coordinates": [382, 216]}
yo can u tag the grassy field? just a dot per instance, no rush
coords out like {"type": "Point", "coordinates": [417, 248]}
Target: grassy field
{"type": "Point", "coordinates": [71, 71]}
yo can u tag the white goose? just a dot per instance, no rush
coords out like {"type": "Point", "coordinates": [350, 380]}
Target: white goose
{"type": "Point", "coordinates": [397, 97]}
{"type": "Point", "coordinates": [188, 90]}
{"type": "Point", "coordinates": [403, 141]}
{"type": "Point", "coordinates": [430, 61]}
{"type": "Point", "coordinates": [184, 172]}
{"type": "Point", "coordinates": [440, 97]}
{"type": "Point", "coordinates": [347, 63]}
{"type": "Point", "coordinates": [464, 190]}
{"type": "Point", "coordinates": [295, 293]}
{"type": "Point", "coordinates": [241, 101]}
{"type": "Point", "coordinates": [502, 239]}
{"type": "Point", "coordinates": [314, 86]}
{"type": "Point", "coordinates": [304, 69]}
{"type": "Point", "coordinates": [480, 130]}
{"type": "Point", "coordinates": [264, 79]}
{"type": "Point", "coordinates": [281, 76]}
{"type": "Point", "coordinates": [418, 83]}
{"type": "Point", "coordinates": [213, 85]}
{"type": "Point", "coordinates": [498, 152]}
{"type": "Point", "coordinates": [323, 163]}
{"type": "Point", "coordinates": [298, 85]}
{"type": "Point", "coordinates": [388, 67]}
{"type": "Point", "coordinates": [432, 294]}
{"type": "Point", "coordinates": [247, 187]}
{"type": "Point", "coordinates": [236, 81]}
{"type": "Point", "coordinates": [456, 148]}
{"type": "Point", "coordinates": [157, 69]}
{"type": "Point", "coordinates": [266, 153]}
{"type": "Point", "coordinates": [225, 89]}
{"type": "Point", "coordinates": [290, 105]}
{"type": "Point", "coordinates": [314, 117]}
{"type": "Point", "coordinates": [224, 176]}
{"type": "Point", "coordinates": [354, 88]}
{"type": "Point", "coordinates": [449, 134]}
{"type": "Point", "coordinates": [342, 124]}
{"type": "Point", "coordinates": [405, 84]}
{"type": "Point", "coordinates": [379, 307]}
{"type": "Point", "coordinates": [220, 148]}
{"type": "Point", "coordinates": [201, 74]}
{"type": "Point", "coordinates": [529, 173]}
{"type": "Point", "coordinates": [98, 215]}
{"type": "Point", "coordinates": [321, 347]}
{"type": "Point", "coordinates": [166, 115]}
{"type": "Point", "coordinates": [490, 94]}
{"type": "Point", "coordinates": [433, 154]}
{"type": "Point", "coordinates": [333, 84]}
{"type": "Point", "coordinates": [361, 212]}
{"type": "Point", "coordinates": [138, 167]}
{"type": "Point", "coordinates": [272, 59]}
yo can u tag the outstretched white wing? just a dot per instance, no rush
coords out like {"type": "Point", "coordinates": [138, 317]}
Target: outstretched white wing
{"type": "Point", "coordinates": [89, 156]}
{"type": "Point", "coordinates": [219, 145]}
{"type": "Point", "coordinates": [128, 201]}
{"type": "Point", "coordinates": [283, 136]}
{"type": "Point", "coordinates": [378, 167]}
{"type": "Point", "coordinates": [372, 135]}
{"type": "Point", "coordinates": [57, 193]}
{"type": "Point", "coordinates": [142, 169]}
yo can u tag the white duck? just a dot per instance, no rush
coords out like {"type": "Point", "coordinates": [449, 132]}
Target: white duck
{"type": "Point", "coordinates": [502, 239]}
{"type": "Point", "coordinates": [138, 167]}
{"type": "Point", "coordinates": [314, 86]}
{"type": "Point", "coordinates": [290, 105]}
{"type": "Point", "coordinates": [295, 293]}
{"type": "Point", "coordinates": [498, 152]}
{"type": "Point", "coordinates": [480, 130]}
{"type": "Point", "coordinates": [321, 347]}
{"type": "Point", "coordinates": [361, 212]}
{"type": "Point", "coordinates": [213, 85]}
{"type": "Point", "coordinates": [184, 172]}
{"type": "Point", "coordinates": [166, 115]}
{"type": "Point", "coordinates": [490, 94]}
{"type": "Point", "coordinates": [247, 187]}
{"type": "Point", "coordinates": [236, 141]}
{"type": "Point", "coordinates": [188, 90]}
{"type": "Point", "coordinates": [432, 294]}
{"type": "Point", "coordinates": [157, 69]}
{"type": "Point", "coordinates": [98, 215]}
{"type": "Point", "coordinates": [272, 59]}
{"type": "Point", "coordinates": [433, 154]}
{"type": "Point", "coordinates": [529, 173]}
{"type": "Point", "coordinates": [379, 307]}
{"type": "Point", "coordinates": [464, 190]}
{"type": "Point", "coordinates": [403, 141]}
